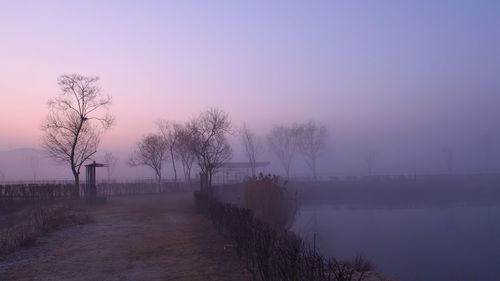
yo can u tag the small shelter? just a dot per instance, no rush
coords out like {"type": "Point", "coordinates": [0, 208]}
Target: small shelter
{"type": "Point", "coordinates": [90, 182]}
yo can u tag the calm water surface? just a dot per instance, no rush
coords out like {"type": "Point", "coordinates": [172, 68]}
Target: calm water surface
{"type": "Point", "coordinates": [455, 243]}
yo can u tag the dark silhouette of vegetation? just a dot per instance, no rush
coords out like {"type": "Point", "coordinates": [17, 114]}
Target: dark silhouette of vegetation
{"type": "Point", "coordinates": [252, 145]}
{"type": "Point", "coordinates": [209, 141]}
{"type": "Point", "coordinates": [283, 141]}
{"type": "Point", "coordinates": [184, 150]}
{"type": "Point", "coordinates": [10, 193]}
{"type": "Point", "coordinates": [270, 201]}
{"type": "Point", "coordinates": [312, 143]}
{"type": "Point", "coordinates": [170, 134]}
{"type": "Point", "coordinates": [151, 151]}
{"type": "Point", "coordinates": [35, 192]}
{"type": "Point", "coordinates": [77, 118]}
{"type": "Point", "coordinates": [272, 254]}
{"type": "Point", "coordinates": [111, 163]}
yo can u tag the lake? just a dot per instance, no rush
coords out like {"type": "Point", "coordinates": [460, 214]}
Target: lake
{"type": "Point", "coordinates": [410, 244]}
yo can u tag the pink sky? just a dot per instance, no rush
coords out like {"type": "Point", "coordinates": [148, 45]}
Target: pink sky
{"type": "Point", "coordinates": [424, 72]}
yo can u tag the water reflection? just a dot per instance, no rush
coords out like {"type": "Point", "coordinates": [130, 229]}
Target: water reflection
{"type": "Point", "coordinates": [454, 243]}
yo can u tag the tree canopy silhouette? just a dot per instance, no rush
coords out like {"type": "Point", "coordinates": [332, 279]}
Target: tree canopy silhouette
{"type": "Point", "coordinates": [209, 142]}
{"type": "Point", "coordinates": [77, 118]}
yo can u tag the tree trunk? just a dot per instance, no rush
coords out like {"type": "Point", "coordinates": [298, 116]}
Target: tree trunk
{"type": "Point", "coordinates": [159, 183]}
{"type": "Point", "coordinates": [76, 190]}
{"type": "Point", "coordinates": [210, 184]}
{"type": "Point", "coordinates": [173, 165]}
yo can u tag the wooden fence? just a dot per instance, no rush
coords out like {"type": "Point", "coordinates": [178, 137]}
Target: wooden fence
{"type": "Point", "coordinates": [60, 191]}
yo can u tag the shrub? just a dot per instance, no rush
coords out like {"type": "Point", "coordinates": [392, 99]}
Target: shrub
{"type": "Point", "coordinates": [270, 201]}
{"type": "Point", "coordinates": [275, 255]}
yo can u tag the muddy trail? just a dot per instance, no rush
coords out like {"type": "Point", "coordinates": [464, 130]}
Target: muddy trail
{"type": "Point", "coordinates": [153, 237]}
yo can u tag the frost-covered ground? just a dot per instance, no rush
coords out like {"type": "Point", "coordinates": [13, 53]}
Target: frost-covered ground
{"type": "Point", "coordinates": [156, 237]}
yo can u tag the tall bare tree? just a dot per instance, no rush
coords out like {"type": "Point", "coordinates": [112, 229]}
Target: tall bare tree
{"type": "Point", "coordinates": [168, 131]}
{"type": "Point", "coordinates": [252, 145]}
{"type": "Point", "coordinates": [210, 143]}
{"type": "Point", "coordinates": [77, 118]}
{"type": "Point", "coordinates": [184, 149]}
{"type": "Point", "coordinates": [312, 143]}
{"type": "Point", "coordinates": [111, 162]}
{"type": "Point", "coordinates": [283, 141]}
{"type": "Point", "coordinates": [151, 151]}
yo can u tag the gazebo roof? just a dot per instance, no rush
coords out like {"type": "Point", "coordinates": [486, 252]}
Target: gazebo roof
{"type": "Point", "coordinates": [95, 164]}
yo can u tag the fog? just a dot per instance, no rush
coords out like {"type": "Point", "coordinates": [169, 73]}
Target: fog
{"type": "Point", "coordinates": [396, 153]}
{"type": "Point", "coordinates": [403, 80]}
{"type": "Point", "coordinates": [390, 113]}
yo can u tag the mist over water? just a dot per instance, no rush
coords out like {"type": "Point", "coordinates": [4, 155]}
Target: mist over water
{"type": "Point", "coordinates": [443, 243]}
{"type": "Point", "coordinates": [390, 113]}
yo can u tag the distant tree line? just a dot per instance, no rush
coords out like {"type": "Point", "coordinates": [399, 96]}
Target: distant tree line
{"type": "Point", "coordinates": [202, 140]}
{"type": "Point", "coordinates": [79, 116]}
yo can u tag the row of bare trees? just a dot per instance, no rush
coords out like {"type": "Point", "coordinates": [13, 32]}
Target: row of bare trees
{"type": "Point", "coordinates": [309, 139]}
{"type": "Point", "coordinates": [202, 140]}
{"type": "Point", "coordinates": [79, 116]}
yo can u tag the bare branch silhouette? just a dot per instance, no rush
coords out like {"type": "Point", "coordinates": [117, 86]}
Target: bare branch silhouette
{"type": "Point", "coordinates": [312, 142]}
{"type": "Point", "coordinates": [210, 144]}
{"type": "Point", "coordinates": [77, 118]}
{"type": "Point", "coordinates": [150, 151]}
{"type": "Point", "coordinates": [283, 141]}
{"type": "Point", "coordinates": [252, 145]}
{"type": "Point", "coordinates": [111, 162]}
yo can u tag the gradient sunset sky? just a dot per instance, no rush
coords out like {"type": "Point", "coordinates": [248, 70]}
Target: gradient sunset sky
{"type": "Point", "coordinates": [385, 72]}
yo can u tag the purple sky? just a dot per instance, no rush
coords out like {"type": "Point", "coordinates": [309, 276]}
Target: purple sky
{"type": "Point", "coordinates": [406, 77]}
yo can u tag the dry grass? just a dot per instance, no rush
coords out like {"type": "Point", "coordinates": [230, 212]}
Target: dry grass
{"type": "Point", "coordinates": [38, 221]}
{"type": "Point", "coordinates": [151, 237]}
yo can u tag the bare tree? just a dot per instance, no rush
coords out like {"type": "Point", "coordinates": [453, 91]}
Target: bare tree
{"type": "Point", "coordinates": [111, 162]}
{"type": "Point", "coordinates": [312, 142]}
{"type": "Point", "coordinates": [252, 145]}
{"type": "Point", "coordinates": [168, 131]}
{"type": "Point", "coordinates": [184, 149]}
{"type": "Point", "coordinates": [210, 144]}
{"type": "Point", "coordinates": [151, 151]}
{"type": "Point", "coordinates": [77, 118]}
{"type": "Point", "coordinates": [449, 157]}
{"type": "Point", "coordinates": [283, 141]}
{"type": "Point", "coordinates": [370, 155]}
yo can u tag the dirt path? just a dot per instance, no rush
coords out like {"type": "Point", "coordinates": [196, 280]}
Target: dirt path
{"type": "Point", "coordinates": [154, 237]}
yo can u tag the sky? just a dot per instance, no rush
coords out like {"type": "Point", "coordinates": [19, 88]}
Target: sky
{"type": "Point", "coordinates": [403, 77]}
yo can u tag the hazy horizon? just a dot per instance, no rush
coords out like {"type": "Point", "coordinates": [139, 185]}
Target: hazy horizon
{"type": "Point", "coordinates": [405, 79]}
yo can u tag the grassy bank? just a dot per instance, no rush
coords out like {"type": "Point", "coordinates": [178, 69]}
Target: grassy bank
{"type": "Point", "coordinates": [32, 222]}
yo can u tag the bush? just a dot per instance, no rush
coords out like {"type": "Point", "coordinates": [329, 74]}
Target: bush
{"type": "Point", "coordinates": [275, 255]}
{"type": "Point", "coordinates": [270, 201]}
